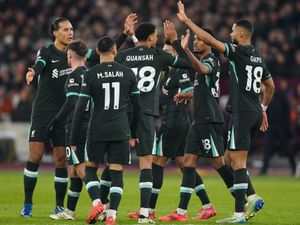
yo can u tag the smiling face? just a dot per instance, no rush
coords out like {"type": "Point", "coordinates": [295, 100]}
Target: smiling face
{"type": "Point", "coordinates": [64, 33]}
{"type": "Point", "coordinates": [199, 46]}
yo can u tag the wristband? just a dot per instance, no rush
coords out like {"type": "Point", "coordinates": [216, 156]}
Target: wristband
{"type": "Point", "coordinates": [134, 39]}
{"type": "Point", "coordinates": [264, 108]}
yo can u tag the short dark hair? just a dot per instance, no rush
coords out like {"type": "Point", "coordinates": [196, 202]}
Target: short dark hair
{"type": "Point", "coordinates": [105, 44]}
{"type": "Point", "coordinates": [144, 30]}
{"type": "Point", "coordinates": [55, 24]}
{"type": "Point", "coordinates": [79, 47]}
{"type": "Point", "coordinates": [246, 24]}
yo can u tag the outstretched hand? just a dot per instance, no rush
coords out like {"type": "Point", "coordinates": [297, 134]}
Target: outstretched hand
{"type": "Point", "coordinates": [185, 40]}
{"type": "Point", "coordinates": [181, 12]}
{"type": "Point", "coordinates": [169, 31]}
{"type": "Point", "coordinates": [130, 21]}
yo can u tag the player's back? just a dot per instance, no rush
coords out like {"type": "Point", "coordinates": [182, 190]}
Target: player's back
{"type": "Point", "coordinates": [147, 64]}
{"type": "Point", "coordinates": [50, 95]}
{"type": "Point", "coordinates": [110, 85]}
{"type": "Point", "coordinates": [247, 70]}
{"type": "Point", "coordinates": [72, 87]}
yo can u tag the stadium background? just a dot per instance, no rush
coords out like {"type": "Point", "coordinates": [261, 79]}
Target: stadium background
{"type": "Point", "coordinates": [24, 27]}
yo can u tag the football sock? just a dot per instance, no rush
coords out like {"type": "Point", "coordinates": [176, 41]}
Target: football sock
{"type": "Point", "coordinates": [116, 189]}
{"type": "Point", "coordinates": [158, 175]}
{"type": "Point", "coordinates": [240, 187]}
{"type": "Point", "coordinates": [227, 177]}
{"type": "Point", "coordinates": [200, 190]}
{"type": "Point", "coordinates": [187, 186]}
{"type": "Point", "coordinates": [145, 189]}
{"type": "Point", "coordinates": [92, 183]}
{"type": "Point", "coordinates": [74, 193]}
{"type": "Point", "coordinates": [30, 178]}
{"type": "Point", "coordinates": [250, 190]}
{"type": "Point", "coordinates": [105, 183]}
{"type": "Point", "coordinates": [60, 185]}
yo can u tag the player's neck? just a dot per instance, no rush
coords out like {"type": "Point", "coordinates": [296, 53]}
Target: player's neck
{"type": "Point", "coordinates": [205, 53]}
{"type": "Point", "coordinates": [60, 46]}
{"type": "Point", "coordinates": [78, 63]}
{"type": "Point", "coordinates": [144, 43]}
{"type": "Point", "coordinates": [245, 42]}
{"type": "Point", "coordinates": [106, 58]}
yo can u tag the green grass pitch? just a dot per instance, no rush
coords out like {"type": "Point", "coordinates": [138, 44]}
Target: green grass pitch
{"type": "Point", "coordinates": [281, 195]}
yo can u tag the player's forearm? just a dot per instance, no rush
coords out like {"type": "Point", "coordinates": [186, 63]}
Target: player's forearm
{"type": "Point", "coordinates": [77, 119]}
{"type": "Point", "coordinates": [135, 100]}
{"type": "Point", "coordinates": [268, 95]}
{"type": "Point", "coordinates": [183, 59]}
{"type": "Point", "coordinates": [197, 65]}
{"type": "Point", "coordinates": [67, 108]}
{"type": "Point", "coordinates": [205, 37]}
{"type": "Point", "coordinates": [120, 40]}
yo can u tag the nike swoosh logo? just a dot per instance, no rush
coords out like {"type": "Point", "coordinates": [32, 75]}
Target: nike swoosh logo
{"type": "Point", "coordinates": [55, 61]}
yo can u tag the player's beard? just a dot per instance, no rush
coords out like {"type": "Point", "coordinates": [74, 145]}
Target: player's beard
{"type": "Point", "coordinates": [234, 41]}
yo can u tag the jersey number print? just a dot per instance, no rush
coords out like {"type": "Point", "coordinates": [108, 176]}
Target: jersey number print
{"type": "Point", "coordinates": [107, 90]}
{"type": "Point", "coordinates": [257, 73]}
{"type": "Point", "coordinates": [145, 78]}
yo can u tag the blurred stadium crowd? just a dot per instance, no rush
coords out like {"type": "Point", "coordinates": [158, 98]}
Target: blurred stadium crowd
{"type": "Point", "coordinates": [24, 29]}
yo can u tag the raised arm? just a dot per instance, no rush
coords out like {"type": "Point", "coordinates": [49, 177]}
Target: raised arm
{"type": "Point", "coordinates": [199, 32]}
{"type": "Point", "coordinates": [130, 20]}
{"type": "Point", "coordinates": [180, 61]}
{"type": "Point", "coordinates": [199, 67]}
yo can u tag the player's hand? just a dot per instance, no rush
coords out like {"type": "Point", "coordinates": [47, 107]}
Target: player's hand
{"type": "Point", "coordinates": [133, 142]}
{"type": "Point", "coordinates": [30, 75]}
{"type": "Point", "coordinates": [130, 21]}
{"type": "Point", "coordinates": [185, 40]}
{"type": "Point", "coordinates": [181, 12]}
{"type": "Point", "coordinates": [264, 125]}
{"type": "Point", "coordinates": [169, 31]}
{"type": "Point", "coordinates": [182, 97]}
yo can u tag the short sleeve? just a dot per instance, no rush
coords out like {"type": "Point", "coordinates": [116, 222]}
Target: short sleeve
{"type": "Point", "coordinates": [211, 64]}
{"type": "Point", "coordinates": [266, 74]}
{"type": "Point", "coordinates": [231, 50]}
{"type": "Point", "coordinates": [167, 59]}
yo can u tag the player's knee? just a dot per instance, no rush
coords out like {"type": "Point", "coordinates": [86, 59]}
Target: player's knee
{"type": "Point", "coordinates": [161, 161]}
{"type": "Point", "coordinates": [217, 162]}
{"type": "Point", "coordinates": [190, 160]}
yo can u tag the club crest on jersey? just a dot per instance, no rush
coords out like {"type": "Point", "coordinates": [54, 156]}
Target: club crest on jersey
{"type": "Point", "coordinates": [71, 80]}
{"type": "Point", "coordinates": [82, 78]}
{"type": "Point", "coordinates": [55, 73]}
